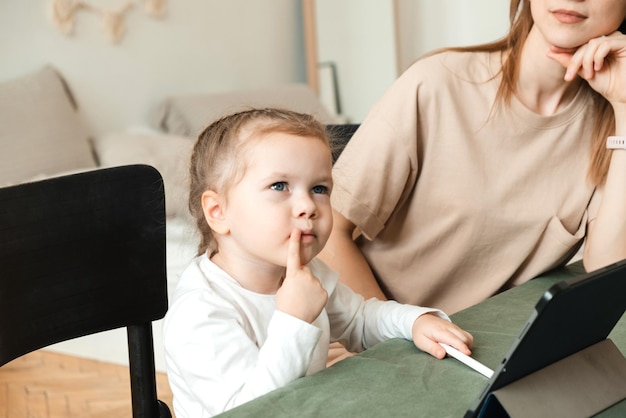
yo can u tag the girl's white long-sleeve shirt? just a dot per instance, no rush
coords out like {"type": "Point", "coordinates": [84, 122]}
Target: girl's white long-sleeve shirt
{"type": "Point", "coordinates": [225, 345]}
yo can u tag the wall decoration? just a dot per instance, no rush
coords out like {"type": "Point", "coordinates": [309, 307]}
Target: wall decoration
{"type": "Point", "coordinates": [64, 12]}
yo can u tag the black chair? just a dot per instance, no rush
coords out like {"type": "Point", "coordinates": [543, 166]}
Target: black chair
{"type": "Point", "coordinates": [339, 136]}
{"type": "Point", "coordinates": [81, 254]}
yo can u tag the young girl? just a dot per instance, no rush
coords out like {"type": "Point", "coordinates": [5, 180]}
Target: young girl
{"type": "Point", "coordinates": [256, 310]}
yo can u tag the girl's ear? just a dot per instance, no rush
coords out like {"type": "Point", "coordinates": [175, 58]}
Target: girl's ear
{"type": "Point", "coordinates": [213, 208]}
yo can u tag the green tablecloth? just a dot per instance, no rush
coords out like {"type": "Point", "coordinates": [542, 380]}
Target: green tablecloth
{"type": "Point", "coordinates": [395, 379]}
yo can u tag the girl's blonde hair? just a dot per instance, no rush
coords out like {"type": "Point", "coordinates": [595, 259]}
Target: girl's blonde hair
{"type": "Point", "coordinates": [521, 21]}
{"type": "Point", "coordinates": [216, 159]}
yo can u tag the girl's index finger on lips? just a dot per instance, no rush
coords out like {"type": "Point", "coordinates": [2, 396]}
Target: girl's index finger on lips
{"type": "Point", "coordinates": [293, 253]}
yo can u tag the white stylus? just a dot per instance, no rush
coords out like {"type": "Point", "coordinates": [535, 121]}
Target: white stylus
{"type": "Point", "coordinates": [464, 358]}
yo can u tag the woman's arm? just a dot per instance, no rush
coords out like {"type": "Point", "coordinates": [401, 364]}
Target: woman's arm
{"type": "Point", "coordinates": [602, 62]}
{"type": "Point", "coordinates": [606, 235]}
{"type": "Point", "coordinates": [343, 255]}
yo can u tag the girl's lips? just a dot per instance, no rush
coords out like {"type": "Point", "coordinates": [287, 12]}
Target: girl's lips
{"type": "Point", "coordinates": [568, 16]}
{"type": "Point", "coordinates": [308, 237]}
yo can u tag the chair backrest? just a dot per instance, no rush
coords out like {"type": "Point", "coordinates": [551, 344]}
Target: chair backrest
{"type": "Point", "coordinates": [81, 254]}
{"type": "Point", "coordinates": [339, 136]}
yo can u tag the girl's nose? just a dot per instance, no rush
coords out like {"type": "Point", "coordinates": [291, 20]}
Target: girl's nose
{"type": "Point", "coordinates": [305, 207]}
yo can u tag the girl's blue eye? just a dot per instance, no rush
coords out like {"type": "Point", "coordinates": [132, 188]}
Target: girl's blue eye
{"type": "Point", "coordinates": [281, 186]}
{"type": "Point", "coordinates": [320, 190]}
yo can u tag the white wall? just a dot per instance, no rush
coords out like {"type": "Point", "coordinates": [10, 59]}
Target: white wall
{"type": "Point", "coordinates": [425, 25]}
{"type": "Point", "coordinates": [220, 45]}
{"type": "Point", "coordinates": [199, 46]}
{"type": "Point", "coordinates": [361, 39]}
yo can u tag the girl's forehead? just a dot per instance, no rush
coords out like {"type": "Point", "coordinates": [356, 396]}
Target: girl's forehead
{"type": "Point", "coordinates": [277, 138]}
{"type": "Point", "coordinates": [279, 147]}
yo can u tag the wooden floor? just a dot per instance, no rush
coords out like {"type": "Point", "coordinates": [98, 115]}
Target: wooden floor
{"type": "Point", "coordinates": [44, 384]}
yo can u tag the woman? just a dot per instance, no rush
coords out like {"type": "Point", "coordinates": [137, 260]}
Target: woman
{"type": "Point", "coordinates": [483, 167]}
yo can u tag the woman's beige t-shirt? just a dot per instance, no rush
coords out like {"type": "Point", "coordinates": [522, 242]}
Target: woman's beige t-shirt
{"type": "Point", "coordinates": [457, 199]}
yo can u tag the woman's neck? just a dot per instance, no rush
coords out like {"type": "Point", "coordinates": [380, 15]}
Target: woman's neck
{"type": "Point", "coordinates": [540, 85]}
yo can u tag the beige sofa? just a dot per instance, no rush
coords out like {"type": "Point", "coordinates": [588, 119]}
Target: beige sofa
{"type": "Point", "coordinates": [43, 133]}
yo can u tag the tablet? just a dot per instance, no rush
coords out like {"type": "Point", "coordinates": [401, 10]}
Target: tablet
{"type": "Point", "coordinates": [572, 315]}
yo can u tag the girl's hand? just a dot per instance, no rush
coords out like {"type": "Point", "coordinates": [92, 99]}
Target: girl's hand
{"type": "Point", "coordinates": [301, 293]}
{"type": "Point", "coordinates": [601, 61]}
{"type": "Point", "coordinates": [429, 330]}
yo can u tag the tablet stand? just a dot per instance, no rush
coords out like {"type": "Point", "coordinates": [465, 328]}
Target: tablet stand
{"type": "Point", "coordinates": [579, 385]}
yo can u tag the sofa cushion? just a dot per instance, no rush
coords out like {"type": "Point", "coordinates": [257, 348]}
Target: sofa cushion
{"type": "Point", "coordinates": [41, 130]}
{"type": "Point", "coordinates": [169, 154]}
{"type": "Point", "coordinates": [189, 115]}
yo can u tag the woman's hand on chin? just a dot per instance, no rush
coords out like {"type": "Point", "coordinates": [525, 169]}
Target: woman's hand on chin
{"type": "Point", "coordinates": [601, 61]}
